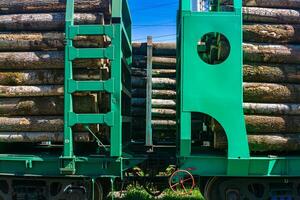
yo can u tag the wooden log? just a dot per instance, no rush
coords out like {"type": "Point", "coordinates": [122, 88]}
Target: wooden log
{"type": "Point", "coordinates": [156, 103]}
{"type": "Point", "coordinates": [271, 73]}
{"type": "Point", "coordinates": [31, 91]}
{"type": "Point", "coordinates": [268, 124]}
{"type": "Point", "coordinates": [266, 143]}
{"type": "Point", "coordinates": [271, 93]}
{"type": "Point", "coordinates": [157, 83]}
{"type": "Point", "coordinates": [161, 73]}
{"type": "Point", "coordinates": [36, 124]}
{"type": "Point", "coordinates": [271, 15]}
{"type": "Point", "coordinates": [38, 41]}
{"type": "Point", "coordinates": [156, 94]}
{"type": "Point", "coordinates": [271, 53]}
{"type": "Point", "coordinates": [156, 113]}
{"type": "Point", "coordinates": [42, 60]}
{"type": "Point", "coordinates": [45, 106]}
{"type": "Point", "coordinates": [38, 137]}
{"type": "Point", "coordinates": [267, 3]}
{"type": "Point", "coordinates": [40, 6]}
{"type": "Point", "coordinates": [44, 77]}
{"type": "Point", "coordinates": [139, 61]}
{"type": "Point", "coordinates": [271, 33]}
{"type": "Point", "coordinates": [159, 49]}
{"type": "Point", "coordinates": [271, 109]}
{"type": "Point", "coordinates": [249, 108]}
{"type": "Point", "coordinates": [253, 72]}
{"type": "Point", "coordinates": [156, 124]}
{"type": "Point", "coordinates": [45, 21]}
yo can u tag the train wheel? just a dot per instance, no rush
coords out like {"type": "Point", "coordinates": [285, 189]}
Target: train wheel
{"type": "Point", "coordinates": [182, 181]}
{"type": "Point", "coordinates": [236, 189]}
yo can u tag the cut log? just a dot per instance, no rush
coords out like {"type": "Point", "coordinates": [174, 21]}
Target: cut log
{"type": "Point", "coordinates": [140, 61]}
{"type": "Point", "coordinates": [271, 53]}
{"type": "Point", "coordinates": [267, 3]}
{"type": "Point", "coordinates": [41, 60]}
{"type": "Point", "coordinates": [156, 103]}
{"type": "Point", "coordinates": [271, 15]}
{"type": "Point", "coordinates": [156, 94]}
{"type": "Point", "coordinates": [44, 21]}
{"type": "Point", "coordinates": [271, 73]}
{"type": "Point", "coordinates": [271, 109]}
{"type": "Point", "coordinates": [46, 41]}
{"type": "Point", "coordinates": [44, 77]}
{"type": "Point", "coordinates": [268, 124]}
{"type": "Point", "coordinates": [156, 113]}
{"type": "Point", "coordinates": [156, 124]}
{"type": "Point", "coordinates": [159, 49]}
{"type": "Point", "coordinates": [267, 143]}
{"type": "Point", "coordinates": [32, 6]}
{"type": "Point", "coordinates": [162, 73]}
{"type": "Point", "coordinates": [31, 91]}
{"type": "Point", "coordinates": [271, 93]}
{"type": "Point", "coordinates": [38, 137]}
{"type": "Point", "coordinates": [45, 106]}
{"type": "Point", "coordinates": [157, 83]}
{"type": "Point", "coordinates": [272, 33]}
{"type": "Point", "coordinates": [36, 124]}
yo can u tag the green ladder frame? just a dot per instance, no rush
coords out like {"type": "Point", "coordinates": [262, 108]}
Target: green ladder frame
{"type": "Point", "coordinates": [120, 55]}
{"type": "Point", "coordinates": [217, 91]}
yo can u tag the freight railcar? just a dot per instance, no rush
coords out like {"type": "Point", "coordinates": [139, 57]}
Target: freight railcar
{"type": "Point", "coordinates": [80, 114]}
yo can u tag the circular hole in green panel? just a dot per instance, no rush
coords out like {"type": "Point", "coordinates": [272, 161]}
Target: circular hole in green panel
{"type": "Point", "coordinates": [213, 48]}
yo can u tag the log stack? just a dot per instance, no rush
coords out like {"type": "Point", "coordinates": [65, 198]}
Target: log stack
{"type": "Point", "coordinates": [163, 86]}
{"type": "Point", "coordinates": [32, 68]}
{"type": "Point", "coordinates": [271, 79]}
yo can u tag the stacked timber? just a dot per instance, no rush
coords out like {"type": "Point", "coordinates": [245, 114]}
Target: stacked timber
{"type": "Point", "coordinates": [163, 86]}
{"type": "Point", "coordinates": [32, 68]}
{"type": "Point", "coordinates": [271, 78]}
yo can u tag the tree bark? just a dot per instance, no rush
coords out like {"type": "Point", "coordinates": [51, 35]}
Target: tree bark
{"type": "Point", "coordinates": [271, 15]}
{"type": "Point", "coordinates": [44, 21]}
{"type": "Point", "coordinates": [271, 73]}
{"type": "Point", "coordinates": [156, 94]}
{"type": "Point", "coordinates": [31, 91]}
{"type": "Point", "coordinates": [44, 77]}
{"type": "Point", "coordinates": [156, 112]}
{"type": "Point", "coordinates": [156, 103]}
{"type": "Point", "coordinates": [36, 124]}
{"type": "Point", "coordinates": [271, 33]}
{"type": "Point", "coordinates": [267, 3]}
{"type": "Point", "coordinates": [159, 49]}
{"type": "Point", "coordinates": [157, 73]}
{"type": "Point", "coordinates": [268, 124]}
{"type": "Point", "coordinates": [271, 109]}
{"type": "Point", "coordinates": [271, 93]}
{"type": "Point", "coordinates": [157, 83]}
{"type": "Point", "coordinates": [266, 143]}
{"type": "Point", "coordinates": [42, 60]}
{"type": "Point", "coordinates": [140, 61]}
{"type": "Point", "coordinates": [156, 124]}
{"type": "Point", "coordinates": [271, 53]}
{"type": "Point", "coordinates": [32, 6]}
{"type": "Point", "coordinates": [43, 106]}
{"type": "Point", "coordinates": [38, 137]}
{"type": "Point", "coordinates": [46, 41]}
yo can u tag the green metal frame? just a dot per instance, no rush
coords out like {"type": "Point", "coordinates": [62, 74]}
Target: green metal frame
{"type": "Point", "coordinates": [216, 90]}
{"type": "Point", "coordinates": [120, 54]}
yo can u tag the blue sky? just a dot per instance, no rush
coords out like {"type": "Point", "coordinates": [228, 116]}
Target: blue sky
{"type": "Point", "coordinates": [154, 17]}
